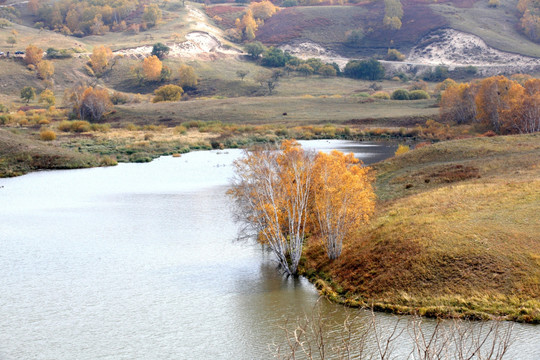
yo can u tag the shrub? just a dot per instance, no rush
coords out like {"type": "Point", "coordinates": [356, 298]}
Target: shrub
{"type": "Point", "coordinates": [418, 94]}
{"type": "Point", "coordinates": [100, 127]}
{"type": "Point", "coordinates": [180, 129]}
{"type": "Point", "coordinates": [74, 126]}
{"type": "Point", "coordinates": [394, 55]}
{"type": "Point", "coordinates": [366, 69]}
{"type": "Point", "coordinates": [119, 98]}
{"type": "Point", "coordinates": [80, 126]}
{"type": "Point", "coordinates": [47, 135]}
{"type": "Point", "coordinates": [381, 95]}
{"type": "Point", "coordinates": [168, 93]}
{"type": "Point", "coordinates": [402, 149]}
{"type": "Point", "coordinates": [419, 85]}
{"type": "Point", "coordinates": [131, 127]}
{"type": "Point", "coordinates": [275, 57]}
{"type": "Point", "coordinates": [439, 74]}
{"type": "Point", "coordinates": [400, 94]}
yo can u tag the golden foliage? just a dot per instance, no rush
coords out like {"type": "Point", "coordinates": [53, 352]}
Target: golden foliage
{"type": "Point", "coordinates": [47, 97]}
{"type": "Point", "coordinates": [45, 69]}
{"type": "Point", "coordinates": [151, 68]}
{"type": "Point", "coordinates": [457, 103]}
{"type": "Point", "coordinates": [402, 149]}
{"type": "Point", "coordinates": [500, 104]}
{"type": "Point", "coordinates": [168, 93]}
{"type": "Point", "coordinates": [47, 135]}
{"type": "Point", "coordinates": [263, 10]}
{"type": "Point", "coordinates": [99, 60]}
{"type": "Point", "coordinates": [247, 26]}
{"type": "Point", "coordinates": [282, 195]}
{"type": "Point", "coordinates": [188, 78]}
{"type": "Point", "coordinates": [343, 198]}
{"type": "Point", "coordinates": [33, 55]}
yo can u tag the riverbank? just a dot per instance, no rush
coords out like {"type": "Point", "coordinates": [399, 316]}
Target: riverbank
{"type": "Point", "coordinates": [20, 155]}
{"type": "Point", "coordinates": [79, 144]}
{"type": "Point", "coordinates": [456, 234]}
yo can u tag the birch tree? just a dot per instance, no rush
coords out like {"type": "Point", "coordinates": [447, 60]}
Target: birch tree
{"type": "Point", "coordinates": [272, 190]}
{"type": "Point", "coordinates": [343, 198]}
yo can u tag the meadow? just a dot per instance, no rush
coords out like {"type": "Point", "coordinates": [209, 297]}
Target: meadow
{"type": "Point", "coordinates": [455, 234]}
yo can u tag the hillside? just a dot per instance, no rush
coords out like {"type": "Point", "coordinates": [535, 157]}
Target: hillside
{"type": "Point", "coordinates": [420, 18]}
{"type": "Point", "coordinates": [457, 234]}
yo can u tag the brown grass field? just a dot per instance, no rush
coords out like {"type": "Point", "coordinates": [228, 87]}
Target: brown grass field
{"type": "Point", "coordinates": [456, 234]}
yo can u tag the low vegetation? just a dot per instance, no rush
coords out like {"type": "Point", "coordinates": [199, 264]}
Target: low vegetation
{"type": "Point", "coordinates": [19, 155]}
{"type": "Point", "coordinates": [454, 235]}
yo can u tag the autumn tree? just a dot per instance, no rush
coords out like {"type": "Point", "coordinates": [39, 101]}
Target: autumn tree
{"type": "Point", "coordinates": [458, 104]}
{"type": "Point", "coordinates": [393, 23]}
{"type": "Point", "coordinates": [168, 93]}
{"type": "Point", "coordinates": [47, 97]}
{"type": "Point", "coordinates": [45, 69]}
{"type": "Point", "coordinates": [530, 20]}
{"type": "Point", "coordinates": [327, 70]}
{"type": "Point", "coordinates": [247, 26]}
{"type": "Point", "coordinates": [343, 198]}
{"type": "Point", "coordinates": [394, 55]}
{"type": "Point", "coordinates": [524, 114]}
{"type": "Point", "coordinates": [271, 190]}
{"type": "Point", "coordinates": [100, 59]}
{"type": "Point", "coordinates": [263, 10]}
{"type": "Point", "coordinates": [28, 93]}
{"type": "Point", "coordinates": [493, 101]}
{"type": "Point", "coordinates": [281, 195]}
{"type": "Point", "coordinates": [88, 103]}
{"type": "Point", "coordinates": [94, 104]}
{"type": "Point", "coordinates": [33, 55]}
{"type": "Point", "coordinates": [151, 68]}
{"type": "Point", "coordinates": [393, 12]}
{"type": "Point", "coordinates": [188, 78]}
{"type": "Point", "coordinates": [305, 69]}
{"type": "Point", "coordinates": [152, 15]}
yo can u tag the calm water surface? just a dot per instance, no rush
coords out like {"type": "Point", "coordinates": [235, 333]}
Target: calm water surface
{"type": "Point", "coordinates": [139, 261]}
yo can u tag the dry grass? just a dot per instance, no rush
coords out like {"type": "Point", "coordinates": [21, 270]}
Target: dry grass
{"type": "Point", "coordinates": [20, 154]}
{"type": "Point", "coordinates": [468, 247]}
{"type": "Point", "coordinates": [300, 110]}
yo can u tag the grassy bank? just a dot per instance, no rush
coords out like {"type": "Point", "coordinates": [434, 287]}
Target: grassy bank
{"type": "Point", "coordinates": [456, 234]}
{"type": "Point", "coordinates": [20, 154]}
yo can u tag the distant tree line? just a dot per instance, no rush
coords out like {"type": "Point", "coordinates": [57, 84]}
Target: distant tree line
{"type": "Point", "coordinates": [502, 105]}
{"type": "Point", "coordinates": [530, 20]}
{"type": "Point", "coordinates": [369, 69]}
{"type": "Point", "coordinates": [94, 17]}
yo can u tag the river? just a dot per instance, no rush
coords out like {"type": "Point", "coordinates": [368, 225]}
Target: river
{"type": "Point", "coordinates": [139, 261]}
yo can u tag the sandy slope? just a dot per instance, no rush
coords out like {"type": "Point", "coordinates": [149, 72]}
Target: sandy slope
{"type": "Point", "coordinates": [443, 47]}
{"type": "Point", "coordinates": [205, 43]}
{"type": "Point", "coordinates": [452, 47]}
